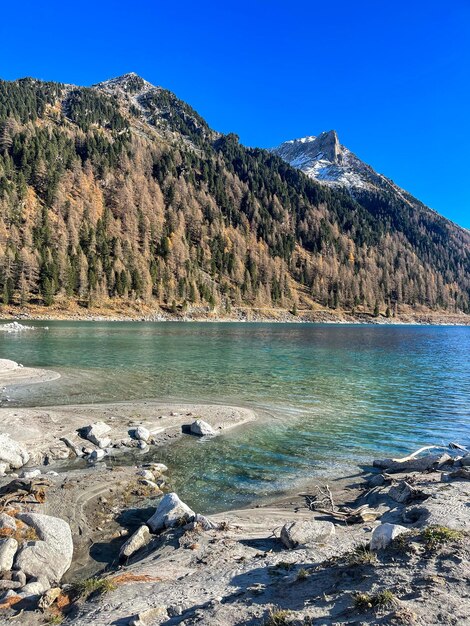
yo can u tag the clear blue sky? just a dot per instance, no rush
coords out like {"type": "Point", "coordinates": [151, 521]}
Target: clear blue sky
{"type": "Point", "coordinates": [392, 78]}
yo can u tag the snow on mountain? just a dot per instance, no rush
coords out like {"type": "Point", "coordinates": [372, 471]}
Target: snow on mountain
{"type": "Point", "coordinates": [130, 83]}
{"type": "Point", "coordinates": [324, 159]}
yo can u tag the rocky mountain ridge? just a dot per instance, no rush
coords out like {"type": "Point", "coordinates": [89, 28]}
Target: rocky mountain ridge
{"type": "Point", "coordinates": [122, 193]}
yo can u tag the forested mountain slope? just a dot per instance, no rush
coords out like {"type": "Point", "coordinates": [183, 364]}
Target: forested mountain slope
{"type": "Point", "coordinates": [121, 191]}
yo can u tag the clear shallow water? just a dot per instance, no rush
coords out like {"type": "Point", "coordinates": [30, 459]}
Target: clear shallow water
{"type": "Point", "coordinates": [332, 397]}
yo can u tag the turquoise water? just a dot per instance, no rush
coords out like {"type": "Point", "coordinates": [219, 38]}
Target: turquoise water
{"type": "Point", "coordinates": [332, 397]}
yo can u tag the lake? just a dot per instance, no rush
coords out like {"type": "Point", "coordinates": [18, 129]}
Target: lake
{"type": "Point", "coordinates": [330, 397]}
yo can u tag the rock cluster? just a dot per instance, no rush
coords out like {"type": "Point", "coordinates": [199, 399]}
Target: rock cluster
{"type": "Point", "coordinates": [36, 555]}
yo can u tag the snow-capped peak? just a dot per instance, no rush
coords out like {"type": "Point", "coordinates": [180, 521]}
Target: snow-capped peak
{"type": "Point", "coordinates": [323, 158]}
{"type": "Point", "coordinates": [130, 83]}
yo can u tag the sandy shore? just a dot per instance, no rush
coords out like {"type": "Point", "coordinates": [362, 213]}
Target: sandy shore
{"type": "Point", "coordinates": [12, 373]}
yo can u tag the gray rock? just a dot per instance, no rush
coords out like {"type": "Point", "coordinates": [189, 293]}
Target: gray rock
{"type": "Point", "coordinates": [19, 576]}
{"type": "Point", "coordinates": [304, 533]}
{"type": "Point", "coordinates": [12, 453]}
{"type": "Point", "coordinates": [138, 540]}
{"type": "Point", "coordinates": [8, 548]}
{"type": "Point", "coordinates": [383, 535]}
{"type": "Point", "coordinates": [377, 480]}
{"type": "Point", "coordinates": [142, 445]}
{"type": "Point", "coordinates": [4, 467]}
{"type": "Point", "coordinates": [74, 447]}
{"type": "Point", "coordinates": [141, 433]}
{"type": "Point", "coordinates": [202, 429]}
{"type": "Point", "coordinates": [35, 588]}
{"type": "Point", "coordinates": [465, 460]}
{"type": "Point", "coordinates": [170, 512]}
{"type": "Point", "coordinates": [9, 584]}
{"type": "Point", "coordinates": [7, 521]}
{"type": "Point", "coordinates": [405, 493]}
{"type": "Point", "coordinates": [51, 556]}
{"type": "Point", "coordinates": [148, 617]}
{"type": "Point", "coordinates": [97, 434]}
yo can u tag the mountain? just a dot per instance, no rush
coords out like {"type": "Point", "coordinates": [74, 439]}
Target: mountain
{"type": "Point", "coordinates": [323, 158]}
{"type": "Point", "coordinates": [121, 194]}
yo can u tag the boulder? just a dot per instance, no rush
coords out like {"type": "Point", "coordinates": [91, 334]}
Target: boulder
{"type": "Point", "coordinates": [141, 433]}
{"type": "Point", "coordinates": [465, 460]}
{"type": "Point", "coordinates": [96, 455]}
{"type": "Point", "coordinates": [7, 521]}
{"type": "Point", "coordinates": [383, 535]}
{"type": "Point", "coordinates": [51, 556]}
{"type": "Point", "coordinates": [8, 548]}
{"type": "Point", "coordinates": [138, 540]}
{"type": "Point", "coordinates": [170, 512]}
{"type": "Point", "coordinates": [202, 429]}
{"type": "Point", "coordinates": [97, 434]}
{"type": "Point", "coordinates": [304, 533]}
{"type": "Point", "coordinates": [12, 453]}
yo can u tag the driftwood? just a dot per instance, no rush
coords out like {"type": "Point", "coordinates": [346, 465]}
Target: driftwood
{"type": "Point", "coordinates": [322, 502]}
{"type": "Point", "coordinates": [412, 463]}
{"type": "Point", "coordinates": [412, 456]}
{"type": "Point", "coordinates": [30, 491]}
{"type": "Point", "coordinates": [353, 516]}
{"type": "Point", "coordinates": [420, 464]}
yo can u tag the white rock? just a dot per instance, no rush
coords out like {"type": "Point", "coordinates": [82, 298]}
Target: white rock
{"type": "Point", "coordinates": [96, 455]}
{"type": "Point", "coordinates": [141, 433]}
{"type": "Point", "coordinates": [303, 533]}
{"type": "Point", "coordinates": [159, 467]}
{"type": "Point", "coordinates": [96, 433]}
{"type": "Point", "coordinates": [202, 429]}
{"type": "Point", "coordinates": [4, 467]}
{"type": "Point", "coordinates": [30, 473]}
{"type": "Point", "coordinates": [8, 548]}
{"type": "Point", "coordinates": [146, 474]}
{"type": "Point", "coordinates": [138, 540]}
{"type": "Point", "coordinates": [12, 453]}
{"type": "Point", "coordinates": [51, 556]}
{"type": "Point", "coordinates": [170, 511]}
{"type": "Point", "coordinates": [384, 534]}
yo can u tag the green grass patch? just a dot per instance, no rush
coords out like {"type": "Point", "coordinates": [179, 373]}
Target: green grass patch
{"type": "Point", "coordinates": [436, 536]}
{"type": "Point", "coordinates": [361, 555]}
{"type": "Point", "coordinates": [85, 589]}
{"type": "Point", "coordinates": [277, 617]}
{"type": "Point", "coordinates": [385, 599]}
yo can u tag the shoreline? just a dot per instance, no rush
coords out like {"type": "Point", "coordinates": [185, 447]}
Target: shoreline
{"type": "Point", "coordinates": [235, 567]}
{"type": "Point", "coordinates": [238, 315]}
